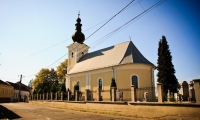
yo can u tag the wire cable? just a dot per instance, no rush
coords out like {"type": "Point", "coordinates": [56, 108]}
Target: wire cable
{"type": "Point", "coordinates": [109, 20]}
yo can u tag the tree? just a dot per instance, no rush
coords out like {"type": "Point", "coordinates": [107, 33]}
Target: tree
{"type": "Point", "coordinates": [63, 88]}
{"type": "Point", "coordinates": [53, 88]}
{"type": "Point", "coordinates": [166, 71]}
{"type": "Point", "coordinates": [113, 84]}
{"type": "Point", "coordinates": [44, 80]}
{"type": "Point", "coordinates": [62, 70]}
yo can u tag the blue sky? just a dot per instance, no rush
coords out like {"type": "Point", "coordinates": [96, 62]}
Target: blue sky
{"type": "Point", "coordinates": [28, 28]}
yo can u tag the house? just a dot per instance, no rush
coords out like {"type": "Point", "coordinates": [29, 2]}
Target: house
{"type": "Point", "coordinates": [24, 91]}
{"type": "Point", "coordinates": [94, 70]}
{"type": "Point", "coordinates": [6, 92]}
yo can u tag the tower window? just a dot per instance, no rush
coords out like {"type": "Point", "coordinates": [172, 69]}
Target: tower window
{"type": "Point", "coordinates": [72, 55]}
{"type": "Point", "coordinates": [82, 53]}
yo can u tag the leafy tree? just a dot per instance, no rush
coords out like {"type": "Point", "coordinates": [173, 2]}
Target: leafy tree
{"type": "Point", "coordinates": [45, 90]}
{"type": "Point", "coordinates": [166, 71]}
{"type": "Point", "coordinates": [62, 70]}
{"type": "Point", "coordinates": [63, 88]}
{"type": "Point", "coordinates": [45, 78]}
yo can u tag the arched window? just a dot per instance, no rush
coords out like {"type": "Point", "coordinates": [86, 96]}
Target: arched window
{"type": "Point", "coordinates": [82, 53]}
{"type": "Point", "coordinates": [78, 83]}
{"type": "Point", "coordinates": [134, 81]}
{"type": "Point", "coordinates": [100, 84]}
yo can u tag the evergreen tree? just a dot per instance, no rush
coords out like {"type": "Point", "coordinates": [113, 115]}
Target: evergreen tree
{"type": "Point", "coordinates": [63, 88]}
{"type": "Point", "coordinates": [53, 88]}
{"type": "Point", "coordinates": [166, 71]}
{"type": "Point", "coordinates": [113, 84]}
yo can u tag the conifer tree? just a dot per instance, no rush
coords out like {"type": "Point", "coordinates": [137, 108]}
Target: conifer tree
{"type": "Point", "coordinates": [166, 71]}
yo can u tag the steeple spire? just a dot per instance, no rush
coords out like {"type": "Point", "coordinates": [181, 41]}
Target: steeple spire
{"type": "Point", "coordinates": [78, 36]}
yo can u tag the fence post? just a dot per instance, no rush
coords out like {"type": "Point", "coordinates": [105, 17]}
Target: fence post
{"type": "Point", "coordinates": [40, 97]}
{"type": "Point", "coordinates": [86, 94]}
{"type": "Point", "coordinates": [37, 96]}
{"type": "Point", "coordinates": [61, 95]}
{"type": "Point", "coordinates": [113, 94]}
{"type": "Point", "coordinates": [160, 92]}
{"type": "Point", "coordinates": [98, 94]}
{"type": "Point", "coordinates": [133, 93]}
{"type": "Point", "coordinates": [68, 95]}
{"type": "Point", "coordinates": [56, 96]}
{"type": "Point", "coordinates": [43, 96]}
{"type": "Point", "coordinates": [47, 96]}
{"type": "Point", "coordinates": [76, 95]}
{"type": "Point", "coordinates": [51, 96]}
{"type": "Point", "coordinates": [197, 90]}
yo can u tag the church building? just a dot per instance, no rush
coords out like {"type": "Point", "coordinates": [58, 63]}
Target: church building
{"type": "Point", "coordinates": [94, 70]}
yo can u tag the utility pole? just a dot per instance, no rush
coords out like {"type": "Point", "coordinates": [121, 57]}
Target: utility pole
{"type": "Point", "coordinates": [19, 96]}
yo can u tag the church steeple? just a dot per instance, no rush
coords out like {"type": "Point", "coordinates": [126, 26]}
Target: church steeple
{"type": "Point", "coordinates": [78, 36]}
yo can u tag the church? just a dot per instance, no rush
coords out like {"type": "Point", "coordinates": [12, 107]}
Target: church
{"type": "Point", "coordinates": [94, 70]}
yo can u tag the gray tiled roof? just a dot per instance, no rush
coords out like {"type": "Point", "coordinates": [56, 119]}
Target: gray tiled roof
{"type": "Point", "coordinates": [124, 53]}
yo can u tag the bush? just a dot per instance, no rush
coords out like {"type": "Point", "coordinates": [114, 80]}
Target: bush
{"type": "Point", "coordinates": [76, 87]}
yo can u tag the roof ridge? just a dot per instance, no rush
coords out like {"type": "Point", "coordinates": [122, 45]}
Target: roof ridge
{"type": "Point", "coordinates": [126, 52]}
{"type": "Point", "coordinates": [108, 47]}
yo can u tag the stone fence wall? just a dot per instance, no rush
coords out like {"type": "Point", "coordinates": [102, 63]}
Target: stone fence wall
{"type": "Point", "coordinates": [188, 92]}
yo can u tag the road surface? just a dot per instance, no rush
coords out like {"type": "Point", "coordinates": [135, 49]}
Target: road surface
{"type": "Point", "coordinates": [25, 111]}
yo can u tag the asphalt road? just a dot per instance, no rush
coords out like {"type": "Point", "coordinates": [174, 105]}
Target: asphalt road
{"type": "Point", "coordinates": [25, 111]}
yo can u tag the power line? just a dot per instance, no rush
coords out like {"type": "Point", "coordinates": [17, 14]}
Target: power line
{"type": "Point", "coordinates": [109, 20]}
{"type": "Point", "coordinates": [128, 23]}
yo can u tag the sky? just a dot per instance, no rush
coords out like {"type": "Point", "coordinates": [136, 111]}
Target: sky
{"type": "Point", "coordinates": [34, 33]}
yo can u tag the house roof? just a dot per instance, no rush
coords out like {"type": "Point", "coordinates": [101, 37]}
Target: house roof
{"type": "Point", "coordinates": [4, 83]}
{"type": "Point", "coordinates": [16, 86]}
{"type": "Point", "coordinates": [124, 53]}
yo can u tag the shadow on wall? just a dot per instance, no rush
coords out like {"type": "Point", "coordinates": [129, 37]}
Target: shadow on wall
{"type": "Point", "coordinates": [7, 114]}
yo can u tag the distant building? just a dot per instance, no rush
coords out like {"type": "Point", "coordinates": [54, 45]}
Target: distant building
{"type": "Point", "coordinates": [24, 91]}
{"type": "Point", "coordinates": [94, 70]}
{"type": "Point", "coordinates": [6, 92]}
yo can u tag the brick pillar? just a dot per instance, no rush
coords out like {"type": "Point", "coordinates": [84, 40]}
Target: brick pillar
{"type": "Point", "coordinates": [51, 96]}
{"type": "Point", "coordinates": [68, 95]}
{"type": "Point", "coordinates": [191, 91]}
{"type": "Point", "coordinates": [86, 94]}
{"type": "Point", "coordinates": [56, 96]}
{"type": "Point", "coordinates": [76, 95]}
{"type": "Point", "coordinates": [133, 93]}
{"type": "Point", "coordinates": [160, 92]}
{"type": "Point", "coordinates": [197, 90]}
{"type": "Point", "coordinates": [61, 95]}
{"type": "Point", "coordinates": [113, 94]}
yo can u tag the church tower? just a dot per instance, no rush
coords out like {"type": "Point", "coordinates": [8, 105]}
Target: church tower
{"type": "Point", "coordinates": [77, 49]}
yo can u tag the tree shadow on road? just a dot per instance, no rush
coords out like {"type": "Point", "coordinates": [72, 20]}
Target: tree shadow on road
{"type": "Point", "coordinates": [7, 114]}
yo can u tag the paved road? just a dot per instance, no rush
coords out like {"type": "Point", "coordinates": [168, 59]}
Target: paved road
{"type": "Point", "coordinates": [24, 111]}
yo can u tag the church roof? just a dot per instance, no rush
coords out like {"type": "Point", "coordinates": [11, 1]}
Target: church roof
{"type": "Point", "coordinates": [124, 53]}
